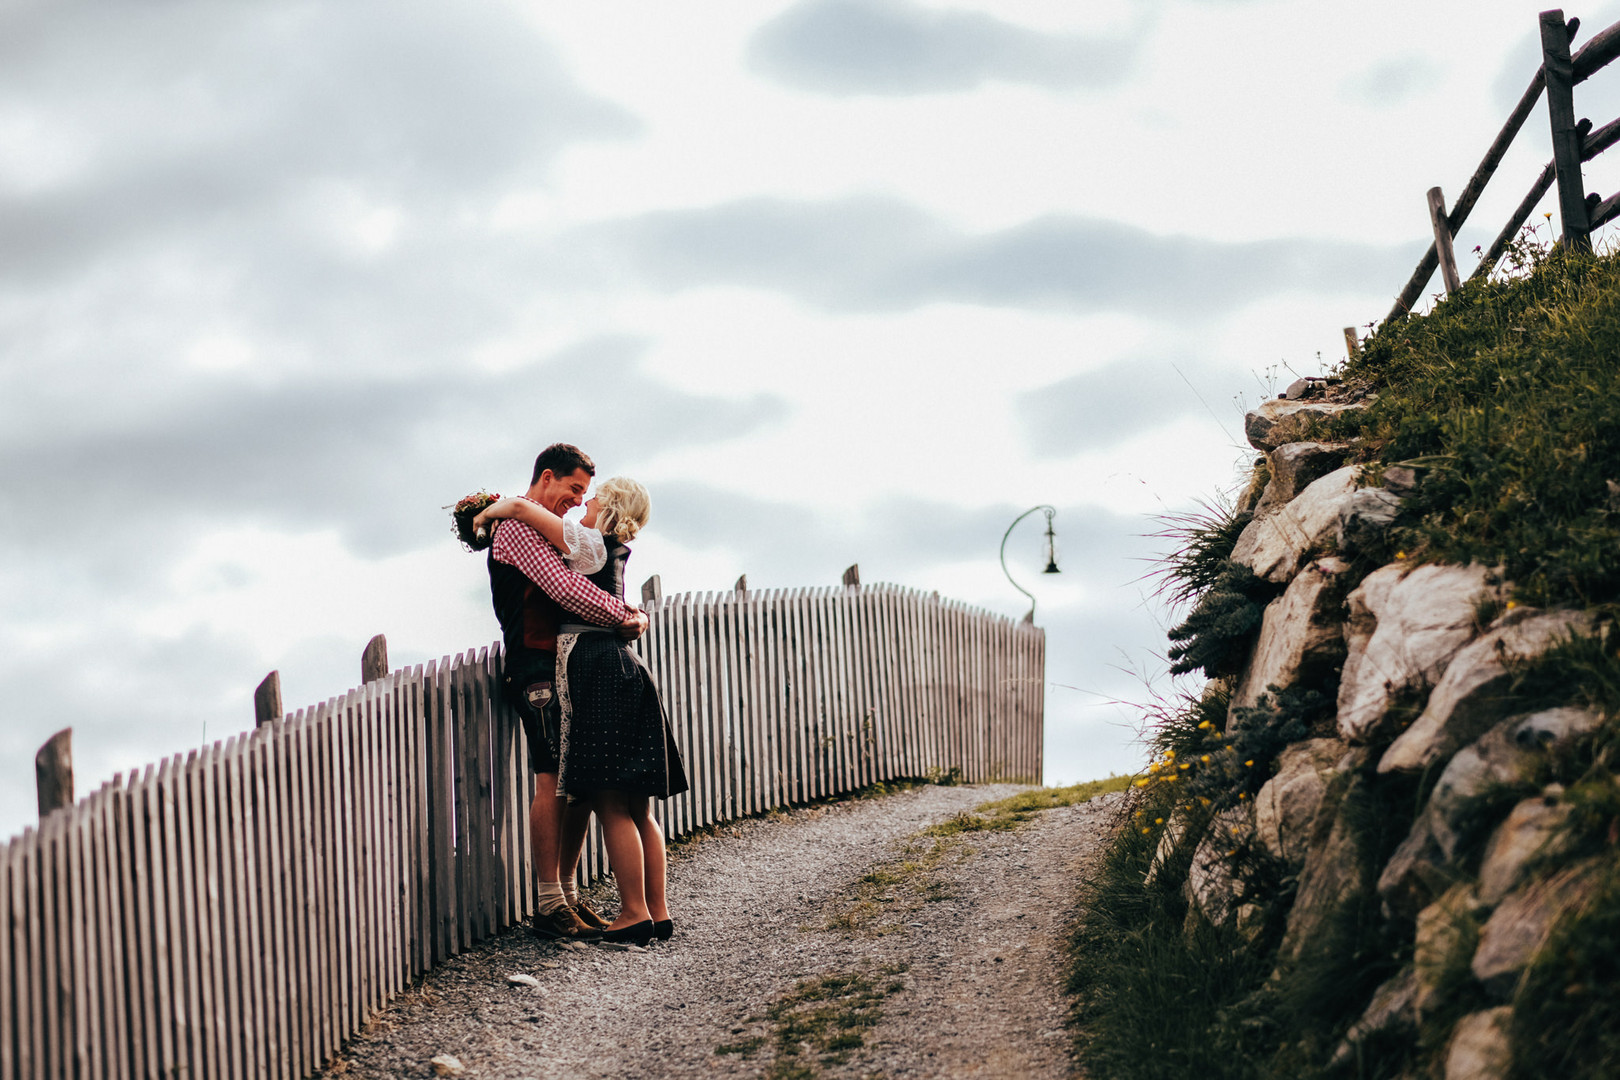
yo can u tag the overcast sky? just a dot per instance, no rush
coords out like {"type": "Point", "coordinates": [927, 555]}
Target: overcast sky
{"type": "Point", "coordinates": [839, 280]}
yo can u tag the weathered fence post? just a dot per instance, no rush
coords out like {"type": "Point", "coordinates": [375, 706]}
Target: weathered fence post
{"type": "Point", "coordinates": [1442, 241]}
{"type": "Point", "coordinates": [652, 590]}
{"type": "Point", "coordinates": [1352, 344]}
{"type": "Point", "coordinates": [742, 584]}
{"type": "Point", "coordinates": [53, 773]}
{"type": "Point", "coordinates": [852, 576]}
{"type": "Point", "coordinates": [267, 700]}
{"type": "Point", "coordinates": [374, 661]}
{"type": "Point", "coordinates": [1560, 74]}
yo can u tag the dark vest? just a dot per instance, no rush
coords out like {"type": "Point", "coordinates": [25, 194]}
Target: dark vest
{"type": "Point", "coordinates": [529, 618]}
{"type": "Point", "coordinates": [610, 579]}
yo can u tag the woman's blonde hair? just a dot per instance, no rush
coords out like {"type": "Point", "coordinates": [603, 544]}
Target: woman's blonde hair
{"type": "Point", "coordinates": [623, 508]}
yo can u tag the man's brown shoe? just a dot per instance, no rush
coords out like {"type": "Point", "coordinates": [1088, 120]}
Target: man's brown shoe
{"type": "Point", "coordinates": [589, 917]}
{"type": "Point", "coordinates": [562, 925]}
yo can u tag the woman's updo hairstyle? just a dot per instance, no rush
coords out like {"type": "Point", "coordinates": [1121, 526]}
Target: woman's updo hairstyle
{"type": "Point", "coordinates": [623, 508]}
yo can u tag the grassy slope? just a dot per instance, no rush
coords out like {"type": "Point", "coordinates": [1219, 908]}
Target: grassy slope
{"type": "Point", "coordinates": [1506, 401]}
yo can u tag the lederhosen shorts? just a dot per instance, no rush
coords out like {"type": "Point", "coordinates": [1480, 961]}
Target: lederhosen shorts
{"type": "Point", "coordinates": [531, 690]}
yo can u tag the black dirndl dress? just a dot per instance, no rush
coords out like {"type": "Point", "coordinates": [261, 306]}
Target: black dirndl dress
{"type": "Point", "coordinates": [615, 736]}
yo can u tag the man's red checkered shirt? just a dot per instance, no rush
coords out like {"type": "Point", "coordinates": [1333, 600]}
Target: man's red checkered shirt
{"type": "Point", "coordinates": [518, 545]}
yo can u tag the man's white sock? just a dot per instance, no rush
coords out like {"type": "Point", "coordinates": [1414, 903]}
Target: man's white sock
{"type": "Point", "coordinates": [551, 897]}
{"type": "Point", "coordinates": [570, 890]}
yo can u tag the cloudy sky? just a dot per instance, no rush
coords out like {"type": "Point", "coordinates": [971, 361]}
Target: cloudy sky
{"type": "Point", "coordinates": [840, 280]}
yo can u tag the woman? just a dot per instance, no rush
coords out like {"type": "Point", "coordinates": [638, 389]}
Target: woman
{"type": "Point", "coordinates": [617, 748]}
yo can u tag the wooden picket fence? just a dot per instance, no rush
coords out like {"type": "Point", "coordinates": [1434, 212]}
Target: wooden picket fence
{"type": "Point", "coordinates": [240, 910]}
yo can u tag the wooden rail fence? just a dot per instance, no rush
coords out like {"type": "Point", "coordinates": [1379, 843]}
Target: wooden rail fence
{"type": "Point", "coordinates": [239, 910]}
{"type": "Point", "coordinates": [1574, 143]}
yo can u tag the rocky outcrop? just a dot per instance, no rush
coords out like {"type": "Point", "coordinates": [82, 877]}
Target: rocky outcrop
{"type": "Point", "coordinates": [1286, 808]}
{"type": "Point", "coordinates": [1534, 829]}
{"type": "Point", "coordinates": [1276, 545]}
{"type": "Point", "coordinates": [1301, 633]}
{"type": "Point", "coordinates": [1480, 1049]}
{"type": "Point", "coordinates": [1421, 663]}
{"type": "Point", "coordinates": [1509, 755]}
{"type": "Point", "coordinates": [1470, 698]}
{"type": "Point", "coordinates": [1280, 421]}
{"type": "Point", "coordinates": [1405, 624]}
{"type": "Point", "coordinates": [1364, 521]}
{"type": "Point", "coordinates": [1524, 921]}
{"type": "Point", "coordinates": [1294, 467]}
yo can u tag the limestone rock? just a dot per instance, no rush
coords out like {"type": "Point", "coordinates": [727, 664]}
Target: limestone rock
{"type": "Point", "coordinates": [1296, 466]}
{"type": "Point", "coordinates": [1404, 627]}
{"type": "Point", "coordinates": [523, 980]}
{"type": "Point", "coordinates": [1366, 518]}
{"type": "Point", "coordinates": [1336, 873]}
{"type": "Point", "coordinates": [1480, 1049]}
{"type": "Point", "coordinates": [1391, 1012]}
{"type": "Point", "coordinates": [1212, 887]}
{"type": "Point", "coordinates": [447, 1065]}
{"type": "Point", "coordinates": [1509, 753]}
{"type": "Point", "coordinates": [1280, 421]}
{"type": "Point", "coordinates": [1447, 934]}
{"type": "Point", "coordinates": [1301, 636]}
{"type": "Point", "coordinates": [1469, 698]}
{"type": "Point", "coordinates": [1522, 923]}
{"type": "Point", "coordinates": [1273, 546]}
{"type": "Point", "coordinates": [1532, 829]}
{"type": "Point", "coordinates": [1285, 809]}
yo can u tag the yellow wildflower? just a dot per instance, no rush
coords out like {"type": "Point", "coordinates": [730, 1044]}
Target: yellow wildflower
{"type": "Point", "coordinates": [1205, 759]}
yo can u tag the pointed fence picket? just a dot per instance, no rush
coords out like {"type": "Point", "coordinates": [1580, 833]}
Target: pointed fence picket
{"type": "Point", "coordinates": [240, 910]}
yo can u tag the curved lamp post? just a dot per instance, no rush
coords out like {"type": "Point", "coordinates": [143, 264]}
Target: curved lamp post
{"type": "Point", "coordinates": [1051, 553]}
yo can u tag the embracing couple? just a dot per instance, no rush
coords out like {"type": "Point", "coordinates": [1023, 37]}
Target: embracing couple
{"type": "Point", "coordinates": [597, 735]}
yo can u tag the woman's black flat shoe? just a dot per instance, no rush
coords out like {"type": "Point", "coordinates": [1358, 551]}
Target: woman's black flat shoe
{"type": "Point", "coordinates": [664, 929]}
{"type": "Point", "coordinates": [635, 934]}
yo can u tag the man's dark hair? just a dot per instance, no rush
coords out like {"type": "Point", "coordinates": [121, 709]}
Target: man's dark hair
{"type": "Point", "coordinates": [563, 460]}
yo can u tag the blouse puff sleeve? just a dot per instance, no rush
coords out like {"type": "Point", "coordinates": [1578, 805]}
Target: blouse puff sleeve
{"type": "Point", "coordinates": [586, 552]}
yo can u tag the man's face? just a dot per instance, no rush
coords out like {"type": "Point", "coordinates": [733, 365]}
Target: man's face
{"type": "Point", "coordinates": [562, 495]}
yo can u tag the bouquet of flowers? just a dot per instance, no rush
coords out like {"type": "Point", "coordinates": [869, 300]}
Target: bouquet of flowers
{"type": "Point", "coordinates": [461, 520]}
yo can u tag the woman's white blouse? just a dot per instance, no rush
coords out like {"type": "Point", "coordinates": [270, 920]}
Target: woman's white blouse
{"type": "Point", "coordinates": [586, 552]}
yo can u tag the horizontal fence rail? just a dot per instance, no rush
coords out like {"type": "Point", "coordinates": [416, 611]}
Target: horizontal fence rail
{"type": "Point", "coordinates": [1574, 143]}
{"type": "Point", "coordinates": [240, 910]}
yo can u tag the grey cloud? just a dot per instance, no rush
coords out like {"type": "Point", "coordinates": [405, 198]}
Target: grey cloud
{"type": "Point", "coordinates": [897, 47]}
{"type": "Point", "coordinates": [194, 116]}
{"type": "Point", "coordinates": [1392, 81]}
{"type": "Point", "coordinates": [1129, 397]}
{"type": "Point", "coordinates": [376, 459]}
{"type": "Point", "coordinates": [874, 253]}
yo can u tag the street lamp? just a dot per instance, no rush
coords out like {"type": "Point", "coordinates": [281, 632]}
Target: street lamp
{"type": "Point", "coordinates": [1051, 553]}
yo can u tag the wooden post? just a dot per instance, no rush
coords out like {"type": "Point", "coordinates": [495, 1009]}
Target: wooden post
{"type": "Point", "coordinates": [742, 584]}
{"type": "Point", "coordinates": [852, 576]}
{"type": "Point", "coordinates": [267, 700]}
{"type": "Point", "coordinates": [1442, 241]}
{"type": "Point", "coordinates": [1560, 72]}
{"type": "Point", "coordinates": [652, 590]}
{"type": "Point", "coordinates": [1352, 344]}
{"type": "Point", "coordinates": [374, 661]}
{"type": "Point", "coordinates": [53, 773]}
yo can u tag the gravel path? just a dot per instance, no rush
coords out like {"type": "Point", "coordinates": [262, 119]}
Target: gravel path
{"type": "Point", "coordinates": [782, 924]}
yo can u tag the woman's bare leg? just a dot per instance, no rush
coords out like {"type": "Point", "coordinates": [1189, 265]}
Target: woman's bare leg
{"type": "Point", "coordinates": [652, 847]}
{"type": "Point", "coordinates": [623, 841]}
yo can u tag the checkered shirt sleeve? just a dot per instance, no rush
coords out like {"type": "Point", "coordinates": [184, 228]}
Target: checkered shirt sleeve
{"type": "Point", "coordinates": [518, 545]}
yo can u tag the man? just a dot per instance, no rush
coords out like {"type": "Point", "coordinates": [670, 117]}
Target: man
{"type": "Point", "coordinates": [534, 593]}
